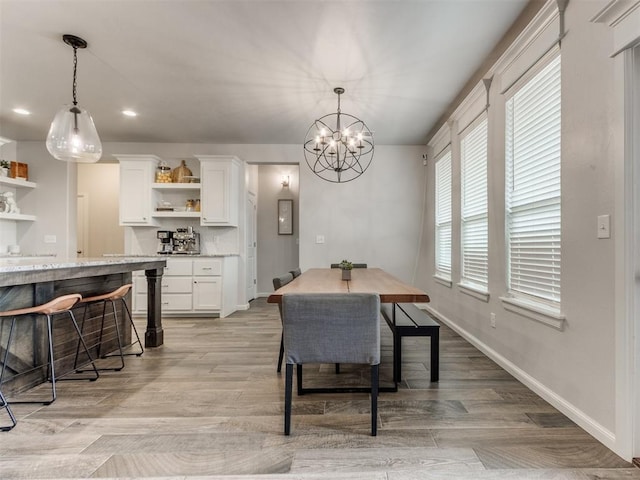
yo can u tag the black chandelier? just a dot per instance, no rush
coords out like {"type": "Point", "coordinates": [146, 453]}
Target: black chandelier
{"type": "Point", "coordinates": [338, 147]}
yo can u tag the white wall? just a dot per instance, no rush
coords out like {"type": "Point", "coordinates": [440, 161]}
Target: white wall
{"type": "Point", "coordinates": [277, 254]}
{"type": "Point", "coordinates": [374, 219]}
{"type": "Point", "coordinates": [53, 202]}
{"type": "Point", "coordinates": [573, 368]}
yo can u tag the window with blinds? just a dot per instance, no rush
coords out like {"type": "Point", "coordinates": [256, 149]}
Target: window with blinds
{"type": "Point", "coordinates": [474, 211]}
{"type": "Point", "coordinates": [533, 187]}
{"type": "Point", "coordinates": [443, 216]}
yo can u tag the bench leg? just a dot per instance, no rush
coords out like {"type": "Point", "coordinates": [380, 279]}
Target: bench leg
{"type": "Point", "coordinates": [397, 358]}
{"type": "Point", "coordinates": [435, 356]}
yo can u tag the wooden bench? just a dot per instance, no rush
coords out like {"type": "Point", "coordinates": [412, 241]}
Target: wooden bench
{"type": "Point", "coordinates": [407, 320]}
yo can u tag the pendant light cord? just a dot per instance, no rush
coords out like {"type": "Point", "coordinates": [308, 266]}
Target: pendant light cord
{"type": "Point", "coordinates": [75, 68]}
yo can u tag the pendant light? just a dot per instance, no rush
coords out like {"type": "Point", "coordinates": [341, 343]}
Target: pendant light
{"type": "Point", "coordinates": [73, 136]}
{"type": "Point", "coordinates": [338, 147]}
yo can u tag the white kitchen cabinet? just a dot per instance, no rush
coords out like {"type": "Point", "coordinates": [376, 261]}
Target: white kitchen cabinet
{"type": "Point", "coordinates": [221, 182]}
{"type": "Point", "coordinates": [192, 286]}
{"type": "Point", "coordinates": [207, 293]}
{"type": "Point", "coordinates": [136, 196]}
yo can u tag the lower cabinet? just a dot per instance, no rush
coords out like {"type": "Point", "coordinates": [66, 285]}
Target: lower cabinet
{"type": "Point", "coordinates": [191, 287]}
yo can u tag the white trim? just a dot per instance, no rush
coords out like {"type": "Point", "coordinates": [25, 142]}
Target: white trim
{"type": "Point", "coordinates": [624, 17]}
{"type": "Point", "coordinates": [535, 311]}
{"type": "Point", "coordinates": [443, 281]}
{"type": "Point", "coordinates": [474, 292]}
{"type": "Point", "coordinates": [583, 420]}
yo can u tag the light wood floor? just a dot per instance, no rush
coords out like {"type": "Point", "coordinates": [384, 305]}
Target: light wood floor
{"type": "Point", "coordinates": [209, 404]}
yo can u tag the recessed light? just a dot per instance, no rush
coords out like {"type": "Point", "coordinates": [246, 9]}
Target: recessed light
{"type": "Point", "coordinates": [129, 113]}
{"type": "Point", "coordinates": [21, 111]}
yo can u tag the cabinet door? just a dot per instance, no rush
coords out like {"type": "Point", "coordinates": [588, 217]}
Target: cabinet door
{"type": "Point", "coordinates": [135, 192]}
{"type": "Point", "coordinates": [219, 180]}
{"type": "Point", "coordinates": [207, 293]}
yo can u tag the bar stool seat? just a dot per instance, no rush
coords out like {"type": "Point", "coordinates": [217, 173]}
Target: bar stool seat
{"type": "Point", "coordinates": [111, 297]}
{"type": "Point", "coordinates": [57, 306]}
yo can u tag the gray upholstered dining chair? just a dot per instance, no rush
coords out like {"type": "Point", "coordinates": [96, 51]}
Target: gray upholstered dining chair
{"type": "Point", "coordinates": [278, 282]}
{"type": "Point", "coordinates": [296, 273]}
{"type": "Point", "coordinates": [331, 328]}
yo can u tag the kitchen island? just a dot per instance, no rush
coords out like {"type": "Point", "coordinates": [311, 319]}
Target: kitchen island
{"type": "Point", "coordinates": [26, 282]}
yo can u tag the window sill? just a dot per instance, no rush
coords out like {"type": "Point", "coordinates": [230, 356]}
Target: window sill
{"type": "Point", "coordinates": [443, 281]}
{"type": "Point", "coordinates": [474, 292]}
{"type": "Point", "coordinates": [535, 311]}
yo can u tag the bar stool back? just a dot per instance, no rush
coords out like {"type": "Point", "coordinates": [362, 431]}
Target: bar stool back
{"type": "Point", "coordinates": [112, 297]}
{"type": "Point", "coordinates": [57, 306]}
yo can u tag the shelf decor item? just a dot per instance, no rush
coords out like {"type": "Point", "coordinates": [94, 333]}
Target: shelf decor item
{"type": "Point", "coordinates": [19, 171]}
{"type": "Point", "coordinates": [73, 136]}
{"type": "Point", "coordinates": [338, 147]}
{"type": "Point", "coordinates": [181, 174]}
{"type": "Point", "coordinates": [4, 168]}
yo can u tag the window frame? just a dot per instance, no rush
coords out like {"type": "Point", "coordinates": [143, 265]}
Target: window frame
{"type": "Point", "coordinates": [441, 223]}
{"type": "Point", "coordinates": [474, 207]}
{"type": "Point", "coordinates": [524, 204]}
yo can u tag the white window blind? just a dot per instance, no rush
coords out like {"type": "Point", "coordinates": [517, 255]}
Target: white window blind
{"type": "Point", "coordinates": [474, 214]}
{"type": "Point", "coordinates": [443, 216]}
{"type": "Point", "coordinates": [533, 186]}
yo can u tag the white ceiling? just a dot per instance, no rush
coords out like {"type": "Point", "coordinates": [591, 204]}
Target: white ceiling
{"type": "Point", "coordinates": [206, 71]}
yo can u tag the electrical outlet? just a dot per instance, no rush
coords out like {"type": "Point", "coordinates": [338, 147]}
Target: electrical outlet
{"type": "Point", "coordinates": [319, 238]}
{"type": "Point", "coordinates": [50, 239]}
{"type": "Point", "coordinates": [493, 320]}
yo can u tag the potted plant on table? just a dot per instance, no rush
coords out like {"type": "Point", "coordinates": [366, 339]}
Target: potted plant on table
{"type": "Point", "coordinates": [4, 168]}
{"type": "Point", "coordinates": [346, 266]}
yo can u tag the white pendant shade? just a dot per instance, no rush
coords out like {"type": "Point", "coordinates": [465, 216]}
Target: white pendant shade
{"type": "Point", "coordinates": [73, 136]}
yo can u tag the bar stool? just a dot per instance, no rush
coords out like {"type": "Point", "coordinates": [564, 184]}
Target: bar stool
{"type": "Point", "coordinates": [111, 297]}
{"type": "Point", "coordinates": [4, 404]}
{"type": "Point", "coordinates": [57, 306]}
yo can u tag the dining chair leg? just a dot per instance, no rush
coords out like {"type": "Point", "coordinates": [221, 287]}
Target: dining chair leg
{"type": "Point", "coordinates": [375, 377]}
{"type": "Point", "coordinates": [299, 378]}
{"type": "Point", "coordinates": [281, 355]}
{"type": "Point", "coordinates": [288, 387]}
{"type": "Point", "coordinates": [337, 369]}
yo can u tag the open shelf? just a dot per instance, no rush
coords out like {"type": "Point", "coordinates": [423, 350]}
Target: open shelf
{"type": "Point", "coordinates": [17, 216]}
{"type": "Point", "coordinates": [176, 186]}
{"type": "Point", "coordinates": [176, 214]}
{"type": "Point", "coordinates": [17, 182]}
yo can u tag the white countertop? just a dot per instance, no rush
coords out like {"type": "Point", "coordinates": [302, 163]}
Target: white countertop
{"type": "Point", "coordinates": [24, 264]}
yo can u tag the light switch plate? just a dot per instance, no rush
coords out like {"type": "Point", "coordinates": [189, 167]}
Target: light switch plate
{"type": "Point", "coordinates": [50, 239]}
{"type": "Point", "coordinates": [604, 226]}
{"type": "Point", "coordinates": [319, 238]}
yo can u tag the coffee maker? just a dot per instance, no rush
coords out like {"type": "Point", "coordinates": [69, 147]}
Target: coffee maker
{"type": "Point", "coordinates": [166, 241]}
{"type": "Point", "coordinates": [186, 241]}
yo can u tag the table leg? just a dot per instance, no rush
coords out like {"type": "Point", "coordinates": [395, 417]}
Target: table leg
{"type": "Point", "coordinates": [154, 336]}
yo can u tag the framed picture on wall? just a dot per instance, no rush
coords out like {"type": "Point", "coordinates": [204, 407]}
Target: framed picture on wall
{"type": "Point", "coordinates": [285, 217]}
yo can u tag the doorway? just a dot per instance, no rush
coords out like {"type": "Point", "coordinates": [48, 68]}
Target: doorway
{"type": "Point", "coordinates": [252, 227]}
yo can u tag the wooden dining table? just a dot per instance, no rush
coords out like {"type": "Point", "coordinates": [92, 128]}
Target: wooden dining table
{"type": "Point", "coordinates": [363, 280]}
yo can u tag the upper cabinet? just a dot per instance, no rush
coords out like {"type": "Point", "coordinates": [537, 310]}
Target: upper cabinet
{"type": "Point", "coordinates": [220, 177]}
{"type": "Point", "coordinates": [215, 200]}
{"type": "Point", "coordinates": [136, 197]}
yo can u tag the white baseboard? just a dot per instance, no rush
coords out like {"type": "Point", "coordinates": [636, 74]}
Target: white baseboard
{"type": "Point", "coordinates": [587, 423]}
